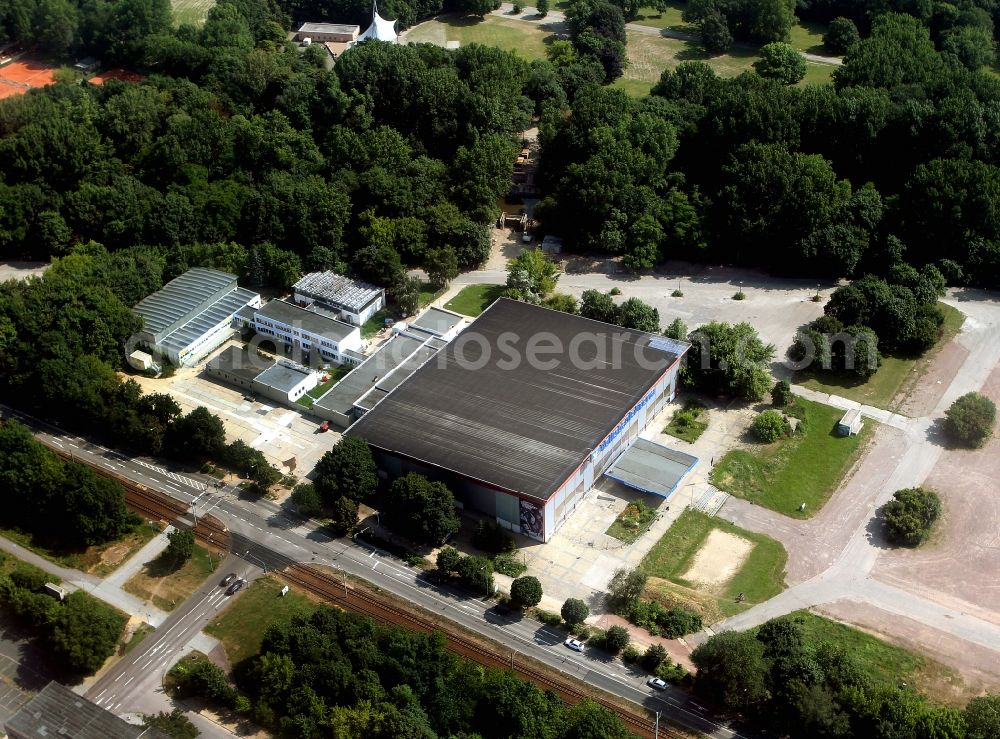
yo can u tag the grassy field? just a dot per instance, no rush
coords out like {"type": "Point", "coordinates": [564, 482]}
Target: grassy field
{"type": "Point", "coordinates": [191, 11]}
{"type": "Point", "coordinates": [429, 293]}
{"type": "Point", "coordinates": [881, 661]}
{"type": "Point", "coordinates": [894, 378]}
{"type": "Point", "coordinates": [817, 74]}
{"type": "Point", "coordinates": [687, 424]}
{"type": "Point", "coordinates": [803, 468]}
{"type": "Point", "coordinates": [526, 39]}
{"type": "Point", "coordinates": [241, 627]}
{"type": "Point", "coordinates": [761, 577]}
{"type": "Point", "coordinates": [336, 374]}
{"type": "Point", "coordinates": [669, 18]}
{"type": "Point", "coordinates": [631, 522]}
{"type": "Point", "coordinates": [808, 37]}
{"type": "Point", "coordinates": [648, 55]}
{"type": "Point", "coordinates": [167, 587]}
{"type": "Point", "coordinates": [100, 560]}
{"type": "Point", "coordinates": [374, 324]}
{"type": "Point", "coordinates": [474, 299]}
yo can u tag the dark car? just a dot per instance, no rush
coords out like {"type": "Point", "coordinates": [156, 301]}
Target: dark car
{"type": "Point", "coordinates": [236, 586]}
{"type": "Point", "coordinates": [228, 579]}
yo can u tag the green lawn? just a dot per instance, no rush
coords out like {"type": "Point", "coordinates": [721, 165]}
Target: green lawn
{"type": "Point", "coordinates": [429, 293]}
{"type": "Point", "coordinates": [635, 88]}
{"type": "Point", "coordinates": [523, 38]}
{"type": "Point", "coordinates": [803, 468]}
{"type": "Point", "coordinates": [817, 74]}
{"type": "Point", "coordinates": [687, 424]}
{"type": "Point", "coordinates": [632, 522]}
{"type": "Point", "coordinates": [374, 324]}
{"type": "Point", "coordinates": [191, 11]}
{"type": "Point", "coordinates": [894, 378]}
{"type": "Point", "coordinates": [761, 577]}
{"type": "Point", "coordinates": [669, 18]}
{"type": "Point", "coordinates": [336, 374]}
{"type": "Point", "coordinates": [138, 635]}
{"type": "Point", "coordinates": [474, 299]}
{"type": "Point", "coordinates": [241, 627]}
{"type": "Point", "coordinates": [808, 37]}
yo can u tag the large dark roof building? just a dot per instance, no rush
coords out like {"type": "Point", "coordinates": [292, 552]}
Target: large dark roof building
{"type": "Point", "coordinates": [518, 439]}
{"type": "Point", "coordinates": [56, 711]}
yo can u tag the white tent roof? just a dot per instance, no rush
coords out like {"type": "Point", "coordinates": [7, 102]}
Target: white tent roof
{"type": "Point", "coordinates": [380, 29]}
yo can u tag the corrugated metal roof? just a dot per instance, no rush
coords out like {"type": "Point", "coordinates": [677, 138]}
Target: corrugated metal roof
{"type": "Point", "coordinates": [220, 311]}
{"type": "Point", "coordinates": [522, 427]}
{"type": "Point", "coordinates": [181, 296]}
{"type": "Point", "coordinates": [651, 467]}
{"type": "Point", "coordinates": [56, 711]}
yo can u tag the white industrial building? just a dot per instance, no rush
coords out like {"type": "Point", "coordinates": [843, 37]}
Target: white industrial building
{"type": "Point", "coordinates": [296, 329]}
{"type": "Point", "coordinates": [351, 300]}
{"type": "Point", "coordinates": [191, 315]}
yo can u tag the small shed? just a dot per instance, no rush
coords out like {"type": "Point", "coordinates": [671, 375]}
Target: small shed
{"type": "Point", "coordinates": [851, 423]}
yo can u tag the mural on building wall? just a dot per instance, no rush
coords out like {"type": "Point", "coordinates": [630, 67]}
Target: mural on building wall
{"type": "Point", "coordinates": [532, 520]}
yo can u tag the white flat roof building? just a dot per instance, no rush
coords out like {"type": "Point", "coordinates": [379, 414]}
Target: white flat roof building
{"type": "Point", "coordinates": [352, 300]}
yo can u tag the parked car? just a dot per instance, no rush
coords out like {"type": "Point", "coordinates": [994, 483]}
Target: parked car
{"type": "Point", "coordinates": [656, 683]}
{"type": "Point", "coordinates": [228, 579]}
{"type": "Point", "coordinates": [236, 586]}
{"type": "Point", "coordinates": [575, 644]}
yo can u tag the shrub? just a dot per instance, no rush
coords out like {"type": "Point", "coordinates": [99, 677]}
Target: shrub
{"type": "Point", "coordinates": [548, 617]}
{"type": "Point", "coordinates": [677, 294]}
{"type": "Point", "coordinates": [614, 291]}
{"type": "Point", "coordinates": [580, 631]}
{"type": "Point", "coordinates": [740, 296]}
{"type": "Point", "coordinates": [574, 611]}
{"type": "Point", "coordinates": [492, 538]}
{"type": "Point", "coordinates": [526, 591]}
{"type": "Point", "coordinates": [677, 330]}
{"type": "Point", "coordinates": [770, 426]}
{"type": "Point", "coordinates": [970, 419]}
{"type": "Point", "coordinates": [448, 559]}
{"type": "Point", "coordinates": [672, 622]}
{"type": "Point", "coordinates": [631, 653]}
{"type": "Point", "coordinates": [910, 515]}
{"type": "Point", "coordinates": [624, 589]}
{"type": "Point", "coordinates": [476, 573]}
{"type": "Point", "coordinates": [542, 6]}
{"type": "Point", "coordinates": [840, 35]}
{"type": "Point", "coordinates": [507, 564]}
{"type": "Point", "coordinates": [306, 500]}
{"type": "Point", "coordinates": [517, 9]}
{"type": "Point", "coordinates": [655, 655]}
{"type": "Point", "coordinates": [781, 394]}
{"type": "Point", "coordinates": [616, 639]}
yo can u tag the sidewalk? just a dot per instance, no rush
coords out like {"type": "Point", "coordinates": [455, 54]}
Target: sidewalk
{"type": "Point", "coordinates": [882, 416]}
{"type": "Point", "coordinates": [107, 590]}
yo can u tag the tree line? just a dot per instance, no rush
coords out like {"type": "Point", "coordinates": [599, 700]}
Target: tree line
{"type": "Point", "coordinates": [334, 673]}
{"type": "Point", "coordinates": [779, 678]}
{"type": "Point", "coordinates": [891, 165]}
{"type": "Point", "coordinates": [79, 632]}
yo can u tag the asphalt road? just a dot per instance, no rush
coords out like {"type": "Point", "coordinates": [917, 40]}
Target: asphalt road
{"type": "Point", "coordinates": [268, 536]}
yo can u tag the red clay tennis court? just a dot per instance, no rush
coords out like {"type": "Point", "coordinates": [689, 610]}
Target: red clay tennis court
{"type": "Point", "coordinates": [18, 77]}
{"type": "Point", "coordinates": [116, 74]}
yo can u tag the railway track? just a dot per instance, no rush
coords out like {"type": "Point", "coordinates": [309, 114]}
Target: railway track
{"type": "Point", "coordinates": [341, 594]}
{"type": "Point", "coordinates": [157, 506]}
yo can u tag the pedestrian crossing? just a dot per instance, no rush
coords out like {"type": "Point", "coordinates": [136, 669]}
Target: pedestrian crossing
{"type": "Point", "coordinates": [182, 479]}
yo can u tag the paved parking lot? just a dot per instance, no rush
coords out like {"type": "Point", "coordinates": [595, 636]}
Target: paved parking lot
{"type": "Point", "coordinates": [289, 439]}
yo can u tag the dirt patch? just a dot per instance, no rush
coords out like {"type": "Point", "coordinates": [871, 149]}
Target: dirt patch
{"type": "Point", "coordinates": [718, 559]}
{"type": "Point", "coordinates": [930, 380]}
{"type": "Point", "coordinates": [116, 554]}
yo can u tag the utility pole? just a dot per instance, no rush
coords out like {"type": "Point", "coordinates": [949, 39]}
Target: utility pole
{"type": "Point", "coordinates": [656, 731]}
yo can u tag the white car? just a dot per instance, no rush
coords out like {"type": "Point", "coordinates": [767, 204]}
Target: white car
{"type": "Point", "coordinates": [575, 644]}
{"type": "Point", "coordinates": [656, 683]}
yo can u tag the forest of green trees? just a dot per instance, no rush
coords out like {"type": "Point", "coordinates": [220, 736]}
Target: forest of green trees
{"type": "Point", "coordinates": [339, 674]}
